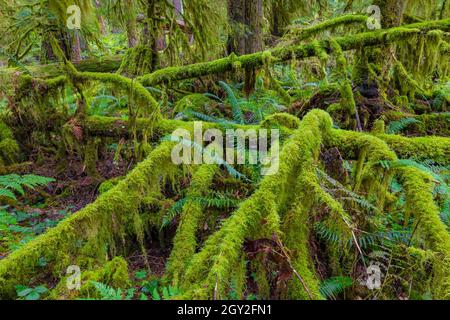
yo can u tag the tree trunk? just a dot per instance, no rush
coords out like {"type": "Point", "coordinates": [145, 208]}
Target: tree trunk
{"type": "Point", "coordinates": [391, 12]}
{"type": "Point", "coordinates": [247, 15]}
{"type": "Point", "coordinates": [236, 12]}
{"type": "Point", "coordinates": [254, 20]}
{"type": "Point", "coordinates": [101, 19]}
{"type": "Point", "coordinates": [76, 47]}
{"type": "Point", "coordinates": [391, 16]}
{"type": "Point", "coordinates": [152, 33]}
{"type": "Point", "coordinates": [131, 25]}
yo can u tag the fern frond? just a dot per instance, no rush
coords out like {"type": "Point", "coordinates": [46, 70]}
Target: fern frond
{"type": "Point", "coordinates": [332, 287]}
{"type": "Point", "coordinates": [235, 106]}
{"type": "Point", "coordinates": [216, 159]}
{"type": "Point", "coordinates": [364, 203]}
{"type": "Point", "coordinates": [15, 183]}
{"type": "Point", "coordinates": [395, 127]}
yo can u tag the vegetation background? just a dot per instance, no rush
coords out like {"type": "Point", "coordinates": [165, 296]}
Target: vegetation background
{"type": "Point", "coordinates": [358, 89]}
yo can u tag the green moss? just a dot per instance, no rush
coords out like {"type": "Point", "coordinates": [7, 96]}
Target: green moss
{"type": "Point", "coordinates": [137, 61]}
{"type": "Point", "coordinates": [91, 157]}
{"type": "Point", "coordinates": [107, 185]}
{"type": "Point", "coordinates": [210, 269]}
{"type": "Point", "coordinates": [185, 241]}
{"type": "Point", "coordinates": [345, 20]}
{"type": "Point", "coordinates": [349, 42]}
{"type": "Point", "coordinates": [421, 148]}
{"type": "Point", "coordinates": [281, 120]}
{"type": "Point", "coordinates": [347, 98]}
{"type": "Point", "coordinates": [420, 204]}
{"type": "Point", "coordinates": [9, 149]}
{"type": "Point", "coordinates": [114, 274]}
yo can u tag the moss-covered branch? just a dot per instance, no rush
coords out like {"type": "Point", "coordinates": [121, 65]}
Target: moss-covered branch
{"type": "Point", "coordinates": [374, 38]}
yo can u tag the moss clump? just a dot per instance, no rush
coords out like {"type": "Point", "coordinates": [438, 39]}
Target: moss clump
{"type": "Point", "coordinates": [9, 149]}
{"type": "Point", "coordinates": [281, 120]}
{"type": "Point", "coordinates": [420, 204]}
{"type": "Point", "coordinates": [107, 185]}
{"type": "Point", "coordinates": [137, 62]}
{"type": "Point", "coordinates": [114, 274]}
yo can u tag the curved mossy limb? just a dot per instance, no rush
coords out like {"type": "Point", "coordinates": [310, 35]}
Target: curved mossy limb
{"type": "Point", "coordinates": [419, 198]}
{"type": "Point", "coordinates": [420, 148]}
{"type": "Point", "coordinates": [185, 240]}
{"type": "Point", "coordinates": [304, 33]}
{"type": "Point", "coordinates": [374, 38]}
{"type": "Point", "coordinates": [209, 272]}
{"type": "Point", "coordinates": [91, 235]}
{"type": "Point", "coordinates": [281, 120]}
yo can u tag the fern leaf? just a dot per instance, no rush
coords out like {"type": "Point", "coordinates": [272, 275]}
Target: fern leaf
{"type": "Point", "coordinates": [332, 287]}
{"type": "Point", "coordinates": [235, 107]}
{"type": "Point", "coordinates": [395, 127]}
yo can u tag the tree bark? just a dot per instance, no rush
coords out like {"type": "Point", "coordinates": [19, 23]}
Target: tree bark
{"type": "Point", "coordinates": [101, 19]}
{"type": "Point", "coordinates": [247, 15]}
{"type": "Point", "coordinates": [131, 25]}
{"type": "Point", "coordinates": [76, 47]}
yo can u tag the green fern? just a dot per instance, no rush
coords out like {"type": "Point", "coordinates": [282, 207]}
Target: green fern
{"type": "Point", "coordinates": [108, 293]}
{"type": "Point", "coordinates": [364, 203]}
{"type": "Point", "coordinates": [218, 160]}
{"type": "Point", "coordinates": [235, 106]}
{"type": "Point", "coordinates": [325, 233]}
{"type": "Point", "coordinates": [395, 127]}
{"type": "Point", "coordinates": [13, 183]}
{"type": "Point", "coordinates": [205, 202]}
{"type": "Point", "coordinates": [332, 287]}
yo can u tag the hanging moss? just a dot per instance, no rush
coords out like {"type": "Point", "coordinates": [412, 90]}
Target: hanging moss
{"type": "Point", "coordinates": [137, 62]}
{"type": "Point", "coordinates": [347, 98]}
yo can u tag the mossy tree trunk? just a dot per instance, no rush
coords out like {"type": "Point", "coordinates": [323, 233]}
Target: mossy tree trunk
{"type": "Point", "coordinates": [152, 31]}
{"type": "Point", "coordinates": [76, 47]}
{"type": "Point", "coordinates": [131, 25]}
{"type": "Point", "coordinates": [247, 18]}
{"type": "Point", "coordinates": [64, 42]}
{"type": "Point", "coordinates": [382, 57]}
{"type": "Point", "coordinates": [101, 19]}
